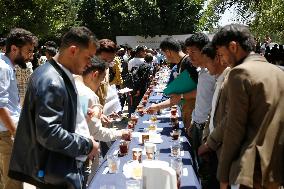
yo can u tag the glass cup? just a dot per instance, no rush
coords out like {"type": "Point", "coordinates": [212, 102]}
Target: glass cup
{"type": "Point", "coordinates": [145, 97]}
{"type": "Point", "coordinates": [133, 184]}
{"type": "Point", "coordinates": [175, 125]}
{"type": "Point", "coordinates": [148, 92]}
{"type": "Point", "coordinates": [145, 137]}
{"type": "Point", "coordinates": [157, 153]}
{"type": "Point", "coordinates": [175, 134]}
{"type": "Point", "coordinates": [144, 102]}
{"type": "Point", "coordinates": [126, 134]}
{"type": "Point", "coordinates": [174, 119]}
{"type": "Point", "coordinates": [137, 154]}
{"type": "Point", "coordinates": [174, 107]}
{"type": "Point", "coordinates": [134, 118]}
{"type": "Point", "coordinates": [137, 171]}
{"type": "Point", "coordinates": [176, 164]}
{"type": "Point", "coordinates": [106, 186]}
{"type": "Point", "coordinates": [155, 82]}
{"type": "Point", "coordinates": [150, 150]}
{"type": "Point", "coordinates": [130, 125]}
{"type": "Point", "coordinates": [159, 112]}
{"type": "Point", "coordinates": [141, 112]}
{"type": "Point", "coordinates": [113, 163]}
{"type": "Point", "coordinates": [140, 109]}
{"type": "Point", "coordinates": [123, 147]}
{"type": "Point", "coordinates": [140, 106]}
{"type": "Point", "coordinates": [174, 112]}
{"type": "Point", "coordinates": [152, 127]}
{"type": "Point", "coordinates": [154, 118]}
{"type": "Point", "coordinates": [175, 149]}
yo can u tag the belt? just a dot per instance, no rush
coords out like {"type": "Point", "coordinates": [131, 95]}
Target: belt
{"type": "Point", "coordinates": [199, 125]}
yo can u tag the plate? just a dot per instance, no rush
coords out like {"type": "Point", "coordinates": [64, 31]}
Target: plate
{"type": "Point", "coordinates": [125, 90]}
{"type": "Point", "coordinates": [132, 169]}
{"type": "Point", "coordinates": [153, 137]}
{"type": "Point", "coordinates": [149, 121]}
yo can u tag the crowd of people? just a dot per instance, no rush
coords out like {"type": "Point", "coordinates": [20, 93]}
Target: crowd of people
{"type": "Point", "coordinates": [54, 108]}
{"type": "Point", "coordinates": [273, 52]}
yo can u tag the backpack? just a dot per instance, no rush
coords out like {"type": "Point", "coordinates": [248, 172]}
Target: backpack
{"type": "Point", "coordinates": [140, 76]}
{"type": "Point", "coordinates": [111, 74]}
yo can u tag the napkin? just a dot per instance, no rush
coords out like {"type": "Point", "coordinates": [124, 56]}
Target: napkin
{"type": "Point", "coordinates": [112, 101]}
{"type": "Point", "coordinates": [158, 175]}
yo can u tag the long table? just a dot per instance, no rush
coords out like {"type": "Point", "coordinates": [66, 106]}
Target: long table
{"type": "Point", "coordinates": [189, 180]}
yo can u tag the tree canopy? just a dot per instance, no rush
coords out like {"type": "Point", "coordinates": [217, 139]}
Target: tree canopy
{"type": "Point", "coordinates": [45, 18]}
{"type": "Point", "coordinates": [107, 18]}
{"type": "Point", "coordinates": [139, 17]}
{"type": "Point", "coordinates": [48, 19]}
{"type": "Point", "coordinates": [263, 17]}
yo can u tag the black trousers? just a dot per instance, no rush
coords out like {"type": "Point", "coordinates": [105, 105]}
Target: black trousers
{"type": "Point", "coordinates": [206, 165]}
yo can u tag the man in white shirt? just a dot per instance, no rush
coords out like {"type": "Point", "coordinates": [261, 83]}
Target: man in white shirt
{"type": "Point", "coordinates": [19, 48]}
{"type": "Point", "coordinates": [140, 53]}
{"type": "Point", "coordinates": [218, 69]}
{"type": "Point", "coordinates": [87, 85]}
{"type": "Point", "coordinates": [205, 89]}
{"type": "Point", "coordinates": [52, 139]}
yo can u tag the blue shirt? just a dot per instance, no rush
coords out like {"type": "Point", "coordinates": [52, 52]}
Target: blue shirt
{"type": "Point", "coordinates": [205, 91]}
{"type": "Point", "coordinates": [160, 57]}
{"type": "Point", "coordinates": [173, 74]}
{"type": "Point", "coordinates": [9, 93]}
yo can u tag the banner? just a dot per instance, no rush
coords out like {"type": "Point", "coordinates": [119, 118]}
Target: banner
{"type": "Point", "coordinates": [150, 42]}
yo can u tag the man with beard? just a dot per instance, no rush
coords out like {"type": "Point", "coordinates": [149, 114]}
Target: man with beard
{"type": "Point", "coordinates": [53, 140]}
{"type": "Point", "coordinates": [19, 49]}
{"type": "Point", "coordinates": [252, 143]}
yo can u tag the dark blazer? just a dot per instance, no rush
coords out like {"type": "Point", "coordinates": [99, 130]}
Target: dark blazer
{"type": "Point", "coordinates": [253, 134]}
{"type": "Point", "coordinates": [45, 145]}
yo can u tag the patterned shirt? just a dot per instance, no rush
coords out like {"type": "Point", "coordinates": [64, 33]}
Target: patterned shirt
{"type": "Point", "coordinates": [23, 76]}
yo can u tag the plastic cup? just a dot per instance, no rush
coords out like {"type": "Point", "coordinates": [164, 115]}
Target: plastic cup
{"type": "Point", "coordinates": [175, 149]}
{"type": "Point", "coordinates": [150, 150]}
{"type": "Point", "coordinates": [133, 184]}
{"type": "Point", "coordinates": [176, 164]}
{"type": "Point", "coordinates": [175, 134]}
{"type": "Point", "coordinates": [137, 154]}
{"type": "Point", "coordinates": [123, 147]}
{"type": "Point", "coordinates": [145, 137]}
{"type": "Point", "coordinates": [113, 163]}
